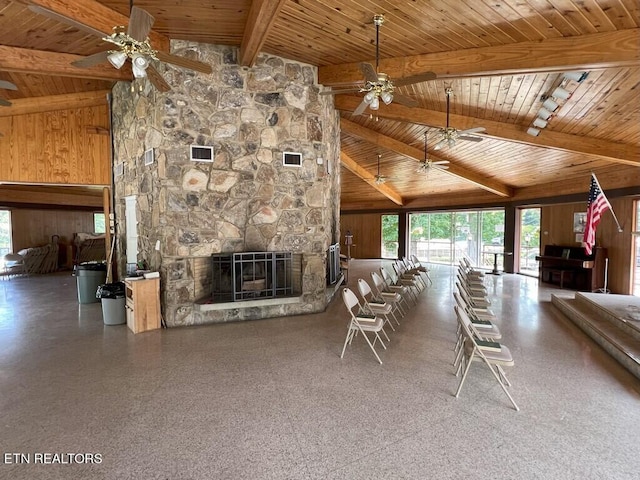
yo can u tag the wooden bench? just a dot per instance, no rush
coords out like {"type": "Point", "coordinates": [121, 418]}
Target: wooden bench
{"type": "Point", "coordinates": [560, 274]}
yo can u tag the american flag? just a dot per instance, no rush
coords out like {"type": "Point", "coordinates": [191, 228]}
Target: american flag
{"type": "Point", "coordinates": [597, 204]}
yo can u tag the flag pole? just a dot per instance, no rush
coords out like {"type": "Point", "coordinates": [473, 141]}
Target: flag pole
{"type": "Point", "coordinates": [610, 207]}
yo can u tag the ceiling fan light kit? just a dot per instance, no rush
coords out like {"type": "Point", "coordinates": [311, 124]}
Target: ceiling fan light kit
{"type": "Point", "coordinates": [451, 135]}
{"type": "Point", "coordinates": [378, 86]}
{"type": "Point", "coordinates": [132, 44]}
{"type": "Point", "coordinates": [552, 102]}
{"type": "Point", "coordinates": [117, 59]}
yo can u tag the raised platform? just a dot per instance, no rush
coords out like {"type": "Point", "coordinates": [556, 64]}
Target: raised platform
{"type": "Point", "coordinates": [612, 321]}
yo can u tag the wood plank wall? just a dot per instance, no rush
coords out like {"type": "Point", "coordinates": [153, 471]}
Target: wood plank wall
{"type": "Point", "coordinates": [58, 147]}
{"type": "Point", "coordinates": [556, 225]}
{"type": "Point", "coordinates": [367, 235]}
{"type": "Point", "coordinates": [32, 228]}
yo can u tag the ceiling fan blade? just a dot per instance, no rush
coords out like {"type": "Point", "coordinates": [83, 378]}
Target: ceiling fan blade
{"type": "Point", "coordinates": [423, 77]}
{"type": "Point", "coordinates": [404, 100]}
{"type": "Point", "coordinates": [471, 130]}
{"type": "Point", "coordinates": [7, 85]}
{"type": "Point", "coordinates": [338, 92]}
{"type": "Point", "coordinates": [61, 18]}
{"type": "Point", "coordinates": [440, 162]}
{"type": "Point", "coordinates": [469, 139]}
{"type": "Point", "coordinates": [361, 108]}
{"type": "Point", "coordinates": [184, 62]}
{"type": "Point", "coordinates": [369, 72]}
{"type": "Point", "coordinates": [156, 79]}
{"type": "Point", "coordinates": [140, 23]}
{"type": "Point", "coordinates": [91, 60]}
{"type": "Point", "coordinates": [5, 103]}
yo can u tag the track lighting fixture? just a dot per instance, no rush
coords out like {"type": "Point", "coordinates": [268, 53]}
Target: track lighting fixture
{"type": "Point", "coordinates": [561, 92]}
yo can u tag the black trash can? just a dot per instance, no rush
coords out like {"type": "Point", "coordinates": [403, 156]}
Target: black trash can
{"type": "Point", "coordinates": [113, 303]}
{"type": "Point", "coordinates": [89, 276]}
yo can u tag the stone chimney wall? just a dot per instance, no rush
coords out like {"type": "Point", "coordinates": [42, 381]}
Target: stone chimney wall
{"type": "Point", "coordinates": [245, 200]}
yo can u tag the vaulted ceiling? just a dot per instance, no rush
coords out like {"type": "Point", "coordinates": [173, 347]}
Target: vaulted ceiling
{"type": "Point", "coordinates": [498, 57]}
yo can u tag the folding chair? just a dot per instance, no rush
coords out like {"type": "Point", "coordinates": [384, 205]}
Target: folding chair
{"type": "Point", "coordinates": [359, 323]}
{"type": "Point", "coordinates": [375, 308]}
{"type": "Point", "coordinates": [415, 265]}
{"type": "Point", "coordinates": [476, 300]}
{"type": "Point", "coordinates": [394, 298]}
{"type": "Point", "coordinates": [406, 268]}
{"type": "Point", "coordinates": [469, 268]}
{"type": "Point", "coordinates": [482, 329]}
{"type": "Point", "coordinates": [495, 356]}
{"type": "Point", "coordinates": [407, 279]}
{"type": "Point", "coordinates": [392, 286]}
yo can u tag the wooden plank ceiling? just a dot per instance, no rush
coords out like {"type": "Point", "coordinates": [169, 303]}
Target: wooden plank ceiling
{"type": "Point", "coordinates": [498, 58]}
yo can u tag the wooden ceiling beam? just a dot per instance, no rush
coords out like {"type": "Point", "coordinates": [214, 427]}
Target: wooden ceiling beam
{"type": "Point", "coordinates": [598, 50]}
{"type": "Point", "coordinates": [24, 60]}
{"type": "Point", "coordinates": [355, 168]}
{"type": "Point", "coordinates": [622, 153]}
{"type": "Point", "coordinates": [394, 145]}
{"type": "Point", "coordinates": [262, 15]}
{"type": "Point", "coordinates": [23, 106]}
{"type": "Point", "coordinates": [96, 16]}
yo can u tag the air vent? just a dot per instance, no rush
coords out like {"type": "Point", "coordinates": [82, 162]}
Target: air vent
{"type": "Point", "coordinates": [291, 159]}
{"type": "Point", "coordinates": [201, 153]}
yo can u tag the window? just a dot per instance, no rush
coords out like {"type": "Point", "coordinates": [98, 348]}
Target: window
{"type": "Point", "coordinates": [389, 236]}
{"type": "Point", "coordinates": [99, 223]}
{"type": "Point", "coordinates": [5, 232]}
{"type": "Point", "coordinates": [636, 251]}
{"type": "Point", "coordinates": [445, 237]}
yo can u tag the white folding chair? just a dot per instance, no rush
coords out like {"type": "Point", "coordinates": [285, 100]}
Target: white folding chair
{"type": "Point", "coordinates": [416, 266]}
{"type": "Point", "coordinates": [495, 356]}
{"type": "Point", "coordinates": [483, 329]}
{"type": "Point", "coordinates": [392, 286]}
{"type": "Point", "coordinates": [476, 300]}
{"type": "Point", "coordinates": [360, 323]}
{"type": "Point", "coordinates": [469, 268]}
{"type": "Point", "coordinates": [406, 267]}
{"type": "Point", "coordinates": [395, 298]}
{"type": "Point", "coordinates": [408, 279]}
{"type": "Point", "coordinates": [375, 308]}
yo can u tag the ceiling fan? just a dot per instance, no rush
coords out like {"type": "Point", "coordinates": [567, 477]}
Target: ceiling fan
{"type": "Point", "coordinates": [378, 86]}
{"type": "Point", "coordinates": [6, 86]}
{"type": "Point", "coordinates": [132, 44]}
{"type": "Point", "coordinates": [427, 165]}
{"type": "Point", "coordinates": [380, 179]}
{"type": "Point", "coordinates": [451, 135]}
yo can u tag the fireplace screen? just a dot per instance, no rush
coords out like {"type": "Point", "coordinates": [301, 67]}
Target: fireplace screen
{"type": "Point", "coordinates": [252, 275]}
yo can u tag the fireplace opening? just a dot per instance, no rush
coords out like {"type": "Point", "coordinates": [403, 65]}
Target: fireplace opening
{"type": "Point", "coordinates": [251, 276]}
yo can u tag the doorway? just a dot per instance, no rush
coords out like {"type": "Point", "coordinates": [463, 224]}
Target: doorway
{"type": "Point", "coordinates": [529, 241]}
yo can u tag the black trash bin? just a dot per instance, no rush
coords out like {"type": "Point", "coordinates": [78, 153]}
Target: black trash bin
{"type": "Point", "coordinates": [90, 275]}
{"type": "Point", "coordinates": [113, 303]}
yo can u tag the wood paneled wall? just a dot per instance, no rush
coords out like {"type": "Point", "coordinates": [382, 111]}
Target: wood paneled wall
{"type": "Point", "coordinates": [367, 235]}
{"type": "Point", "coordinates": [556, 225]}
{"type": "Point", "coordinates": [32, 228]}
{"type": "Point", "coordinates": [59, 147]}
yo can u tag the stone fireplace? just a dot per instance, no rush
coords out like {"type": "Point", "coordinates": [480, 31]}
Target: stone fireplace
{"type": "Point", "coordinates": [244, 200]}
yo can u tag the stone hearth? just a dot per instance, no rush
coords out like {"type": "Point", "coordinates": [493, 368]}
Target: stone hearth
{"type": "Point", "coordinates": [245, 200]}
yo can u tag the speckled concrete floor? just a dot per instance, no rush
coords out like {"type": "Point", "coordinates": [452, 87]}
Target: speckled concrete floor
{"type": "Point", "coordinates": [272, 399]}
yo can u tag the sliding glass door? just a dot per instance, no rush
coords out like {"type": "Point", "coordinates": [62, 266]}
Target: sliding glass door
{"type": "Point", "coordinates": [445, 237]}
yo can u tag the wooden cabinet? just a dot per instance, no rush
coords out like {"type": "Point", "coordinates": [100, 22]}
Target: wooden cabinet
{"type": "Point", "coordinates": [143, 304]}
